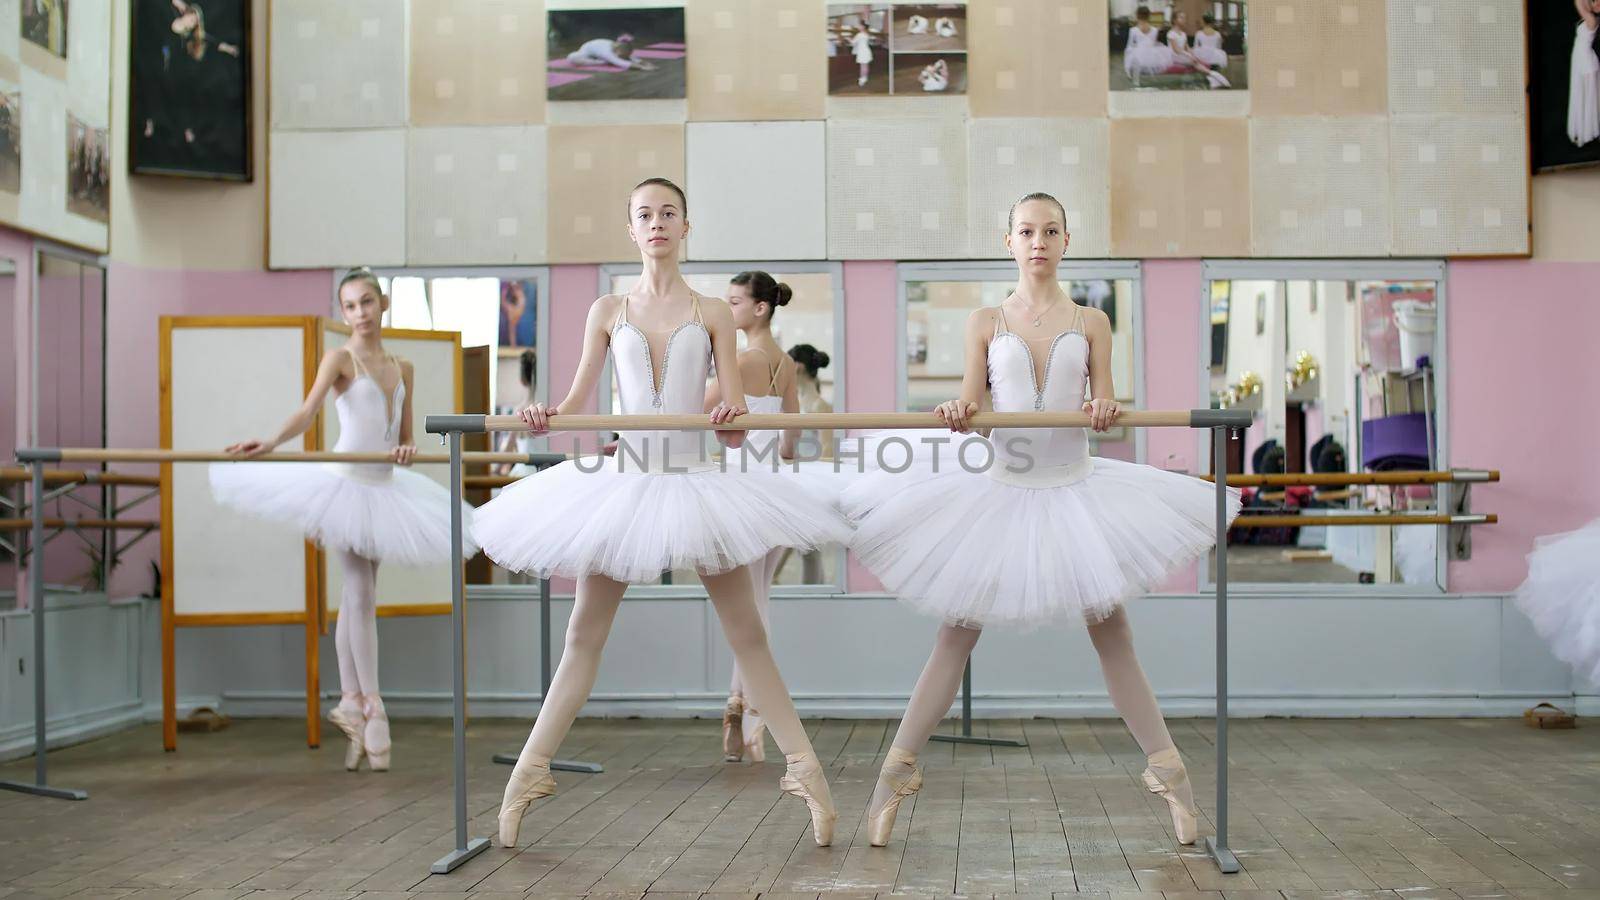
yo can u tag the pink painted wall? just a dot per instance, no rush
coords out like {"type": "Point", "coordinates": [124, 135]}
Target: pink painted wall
{"type": "Point", "coordinates": [871, 303]}
{"type": "Point", "coordinates": [139, 298]}
{"type": "Point", "coordinates": [1522, 391]}
{"type": "Point", "coordinates": [1172, 373]}
{"type": "Point", "coordinates": [572, 292]}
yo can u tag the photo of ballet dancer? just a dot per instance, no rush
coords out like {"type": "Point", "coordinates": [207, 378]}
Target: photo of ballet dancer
{"type": "Point", "coordinates": [44, 22]}
{"type": "Point", "coordinates": [1563, 84]}
{"type": "Point", "coordinates": [616, 54]}
{"type": "Point", "coordinates": [189, 89]}
{"type": "Point", "coordinates": [11, 141]}
{"type": "Point", "coordinates": [1177, 45]}
{"type": "Point", "coordinates": [88, 170]}
{"type": "Point", "coordinates": [518, 316]}
{"type": "Point", "coordinates": [902, 49]}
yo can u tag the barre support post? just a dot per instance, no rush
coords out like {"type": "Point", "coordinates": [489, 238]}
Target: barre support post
{"type": "Point", "coordinates": [466, 848]}
{"type": "Point", "coordinates": [1217, 845]}
{"type": "Point", "coordinates": [965, 737]}
{"type": "Point", "coordinates": [40, 785]}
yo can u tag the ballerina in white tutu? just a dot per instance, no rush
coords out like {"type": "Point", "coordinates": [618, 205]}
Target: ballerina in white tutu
{"type": "Point", "coordinates": [659, 504]}
{"type": "Point", "coordinates": [1583, 93]}
{"type": "Point", "coordinates": [1562, 596]}
{"type": "Point", "coordinates": [364, 514]}
{"type": "Point", "coordinates": [1145, 54]}
{"type": "Point", "coordinates": [1046, 531]}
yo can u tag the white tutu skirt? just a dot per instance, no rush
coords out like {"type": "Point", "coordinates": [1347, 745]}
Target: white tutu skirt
{"type": "Point", "coordinates": [632, 526]}
{"type": "Point", "coordinates": [403, 518]}
{"type": "Point", "coordinates": [1562, 596]}
{"type": "Point", "coordinates": [977, 551]}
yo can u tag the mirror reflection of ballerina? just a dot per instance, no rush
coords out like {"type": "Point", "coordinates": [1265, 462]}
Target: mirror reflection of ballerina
{"type": "Point", "coordinates": [1583, 97]}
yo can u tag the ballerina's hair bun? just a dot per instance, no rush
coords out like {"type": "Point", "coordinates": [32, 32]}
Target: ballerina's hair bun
{"type": "Point", "coordinates": [809, 358]}
{"type": "Point", "coordinates": [764, 288]}
{"type": "Point", "coordinates": [361, 273]}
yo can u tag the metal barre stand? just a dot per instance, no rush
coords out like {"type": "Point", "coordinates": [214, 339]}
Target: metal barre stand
{"type": "Point", "coordinates": [541, 461]}
{"type": "Point", "coordinates": [965, 737]}
{"type": "Point", "coordinates": [36, 603]}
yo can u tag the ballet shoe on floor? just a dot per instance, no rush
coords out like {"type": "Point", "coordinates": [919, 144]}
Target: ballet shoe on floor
{"type": "Point", "coordinates": [1167, 778]}
{"type": "Point", "coordinates": [901, 782]}
{"type": "Point", "coordinates": [805, 780]}
{"type": "Point", "coordinates": [733, 729]}
{"type": "Point", "coordinates": [755, 738]}
{"type": "Point", "coordinates": [527, 784]}
{"type": "Point", "coordinates": [353, 724]}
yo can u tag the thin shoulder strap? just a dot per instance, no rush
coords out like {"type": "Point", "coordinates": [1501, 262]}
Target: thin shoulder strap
{"type": "Point", "coordinates": [1000, 326]}
{"type": "Point", "coordinates": [622, 313]}
{"type": "Point", "coordinates": [356, 361]}
{"type": "Point", "coordinates": [694, 298]}
{"type": "Point", "coordinates": [772, 377]}
{"type": "Point", "coordinates": [1077, 321]}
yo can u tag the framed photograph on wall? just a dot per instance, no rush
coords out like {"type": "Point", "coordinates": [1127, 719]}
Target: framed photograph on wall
{"type": "Point", "coordinates": [1177, 45]}
{"type": "Point", "coordinates": [189, 89]}
{"type": "Point", "coordinates": [1563, 85]}
{"type": "Point", "coordinates": [616, 54]}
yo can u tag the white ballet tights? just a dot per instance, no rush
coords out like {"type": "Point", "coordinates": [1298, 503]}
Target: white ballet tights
{"type": "Point", "coordinates": [732, 594]}
{"type": "Point", "coordinates": [761, 575]}
{"type": "Point", "coordinates": [355, 637]}
{"type": "Point", "coordinates": [941, 679]}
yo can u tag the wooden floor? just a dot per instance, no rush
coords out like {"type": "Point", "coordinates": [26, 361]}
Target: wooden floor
{"type": "Point", "coordinates": [1398, 809]}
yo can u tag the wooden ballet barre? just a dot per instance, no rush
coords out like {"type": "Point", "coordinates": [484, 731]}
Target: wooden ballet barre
{"type": "Point", "coordinates": [83, 524]}
{"type": "Point", "coordinates": [54, 477]}
{"type": "Point", "coordinates": [92, 454]}
{"type": "Point", "coordinates": [1295, 521]}
{"type": "Point", "coordinates": [1179, 418]}
{"type": "Point", "coordinates": [1339, 479]}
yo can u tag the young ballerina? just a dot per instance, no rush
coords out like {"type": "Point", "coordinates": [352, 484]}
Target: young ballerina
{"type": "Point", "coordinates": [1145, 54]}
{"type": "Point", "coordinates": [364, 514]}
{"type": "Point", "coordinates": [1046, 531]}
{"type": "Point", "coordinates": [753, 299]}
{"type": "Point", "coordinates": [811, 361]}
{"type": "Point", "coordinates": [1583, 95]}
{"type": "Point", "coordinates": [608, 52]}
{"type": "Point", "coordinates": [861, 44]}
{"type": "Point", "coordinates": [1178, 41]}
{"type": "Point", "coordinates": [657, 505]}
{"type": "Point", "coordinates": [1208, 44]}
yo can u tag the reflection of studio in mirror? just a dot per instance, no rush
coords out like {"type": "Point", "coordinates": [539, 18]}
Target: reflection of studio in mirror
{"type": "Point", "coordinates": [938, 303]}
{"type": "Point", "coordinates": [497, 314]}
{"type": "Point", "coordinates": [1340, 376]}
{"type": "Point", "coordinates": [807, 329]}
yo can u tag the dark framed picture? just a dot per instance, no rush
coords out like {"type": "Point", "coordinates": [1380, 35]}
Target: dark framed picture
{"type": "Point", "coordinates": [189, 89]}
{"type": "Point", "coordinates": [1563, 85]}
{"type": "Point", "coordinates": [44, 22]}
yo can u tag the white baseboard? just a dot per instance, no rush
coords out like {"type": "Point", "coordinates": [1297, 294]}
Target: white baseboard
{"type": "Point", "coordinates": [525, 706]}
{"type": "Point", "coordinates": [16, 741]}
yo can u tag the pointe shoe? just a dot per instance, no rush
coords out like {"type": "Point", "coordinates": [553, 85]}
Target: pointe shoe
{"type": "Point", "coordinates": [354, 725]}
{"type": "Point", "coordinates": [805, 780]}
{"type": "Point", "coordinates": [1185, 820]}
{"type": "Point", "coordinates": [945, 27]}
{"type": "Point", "coordinates": [375, 736]}
{"type": "Point", "coordinates": [901, 785]}
{"type": "Point", "coordinates": [1216, 80]}
{"type": "Point", "coordinates": [917, 25]}
{"type": "Point", "coordinates": [755, 738]}
{"type": "Point", "coordinates": [733, 730]}
{"type": "Point", "coordinates": [525, 786]}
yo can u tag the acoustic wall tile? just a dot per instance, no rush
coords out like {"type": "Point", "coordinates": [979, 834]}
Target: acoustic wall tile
{"type": "Point", "coordinates": [756, 61]}
{"type": "Point", "coordinates": [1453, 57]}
{"type": "Point", "coordinates": [338, 65]}
{"type": "Point", "coordinates": [1173, 104]}
{"type": "Point", "coordinates": [592, 168]}
{"type": "Point", "coordinates": [1066, 158]}
{"type": "Point", "coordinates": [1180, 187]}
{"type": "Point", "coordinates": [1037, 58]}
{"type": "Point", "coordinates": [475, 195]}
{"type": "Point", "coordinates": [89, 62]}
{"type": "Point", "coordinates": [1309, 57]}
{"type": "Point", "coordinates": [338, 198]}
{"type": "Point", "coordinates": [1319, 187]}
{"type": "Point", "coordinates": [1459, 185]}
{"type": "Point", "coordinates": [759, 190]}
{"type": "Point", "coordinates": [479, 63]}
{"type": "Point", "coordinates": [897, 190]}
